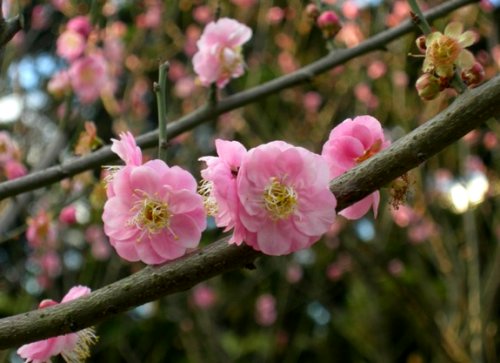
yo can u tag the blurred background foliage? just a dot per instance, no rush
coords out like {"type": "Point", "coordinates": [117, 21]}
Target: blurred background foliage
{"type": "Point", "coordinates": [417, 284]}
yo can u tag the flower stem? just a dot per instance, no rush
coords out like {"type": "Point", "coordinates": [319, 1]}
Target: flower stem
{"type": "Point", "coordinates": [418, 17]}
{"type": "Point", "coordinates": [160, 89]}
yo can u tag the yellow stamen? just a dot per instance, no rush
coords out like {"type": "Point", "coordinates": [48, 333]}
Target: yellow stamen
{"type": "Point", "coordinates": [206, 191]}
{"type": "Point", "coordinates": [375, 148]}
{"type": "Point", "coordinates": [280, 200]}
{"type": "Point", "coordinates": [152, 215]}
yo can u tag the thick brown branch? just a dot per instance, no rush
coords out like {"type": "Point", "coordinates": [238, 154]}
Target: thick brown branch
{"type": "Point", "coordinates": [466, 113]}
{"type": "Point", "coordinates": [56, 173]}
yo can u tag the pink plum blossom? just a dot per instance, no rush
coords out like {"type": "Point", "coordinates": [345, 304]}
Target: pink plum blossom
{"type": "Point", "coordinates": [153, 213]}
{"type": "Point", "coordinates": [88, 76]}
{"type": "Point", "coordinates": [219, 186]}
{"type": "Point", "coordinates": [95, 236]}
{"type": "Point", "coordinates": [219, 55]}
{"type": "Point", "coordinates": [73, 347]}
{"type": "Point", "coordinates": [80, 24]}
{"type": "Point", "coordinates": [68, 215]}
{"type": "Point", "coordinates": [9, 149]}
{"type": "Point", "coordinates": [70, 45]}
{"type": "Point", "coordinates": [59, 84]}
{"type": "Point", "coordinates": [42, 231]}
{"type": "Point", "coordinates": [349, 144]}
{"type": "Point", "coordinates": [13, 169]}
{"type": "Point", "coordinates": [284, 201]}
{"type": "Point", "coordinates": [204, 296]}
{"type": "Point", "coordinates": [265, 310]}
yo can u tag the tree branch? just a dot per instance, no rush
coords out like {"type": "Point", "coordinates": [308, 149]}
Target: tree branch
{"type": "Point", "coordinates": [467, 112]}
{"type": "Point", "coordinates": [56, 173]}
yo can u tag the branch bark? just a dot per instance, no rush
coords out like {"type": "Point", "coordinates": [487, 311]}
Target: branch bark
{"type": "Point", "coordinates": [467, 112]}
{"type": "Point", "coordinates": [56, 173]}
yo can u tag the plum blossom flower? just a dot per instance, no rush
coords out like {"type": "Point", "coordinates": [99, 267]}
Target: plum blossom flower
{"type": "Point", "coordinates": [350, 143]}
{"type": "Point", "coordinates": [80, 24]}
{"type": "Point", "coordinates": [444, 51]}
{"type": "Point", "coordinates": [42, 231]}
{"type": "Point", "coordinates": [219, 55]}
{"type": "Point", "coordinates": [70, 45]}
{"type": "Point", "coordinates": [88, 76]}
{"type": "Point", "coordinates": [219, 182]}
{"type": "Point", "coordinates": [73, 347]}
{"type": "Point", "coordinates": [284, 201]}
{"type": "Point", "coordinates": [153, 212]}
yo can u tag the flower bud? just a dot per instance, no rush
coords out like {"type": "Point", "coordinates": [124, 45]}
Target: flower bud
{"type": "Point", "coordinates": [312, 11]}
{"type": "Point", "coordinates": [474, 75]}
{"type": "Point", "coordinates": [329, 23]}
{"type": "Point", "coordinates": [428, 86]}
{"type": "Point", "coordinates": [420, 42]}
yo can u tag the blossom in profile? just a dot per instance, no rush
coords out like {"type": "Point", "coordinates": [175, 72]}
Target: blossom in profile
{"type": "Point", "coordinates": [88, 76]}
{"type": "Point", "coordinates": [349, 144]}
{"type": "Point", "coordinates": [80, 24]}
{"type": "Point", "coordinates": [219, 55]}
{"type": "Point", "coordinates": [126, 148]}
{"type": "Point", "coordinates": [154, 213]}
{"type": "Point", "coordinates": [73, 347]}
{"type": "Point", "coordinates": [444, 51]}
{"type": "Point", "coordinates": [284, 201]}
{"type": "Point", "coordinates": [219, 182]}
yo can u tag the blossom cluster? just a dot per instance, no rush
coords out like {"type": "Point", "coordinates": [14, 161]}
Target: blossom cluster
{"type": "Point", "coordinates": [445, 54]}
{"type": "Point", "coordinates": [92, 68]}
{"type": "Point", "coordinates": [274, 197]}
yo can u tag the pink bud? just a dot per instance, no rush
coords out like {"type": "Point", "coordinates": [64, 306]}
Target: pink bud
{"type": "Point", "coordinates": [46, 303]}
{"type": "Point", "coordinates": [68, 215]}
{"type": "Point", "coordinates": [428, 86]}
{"type": "Point", "coordinates": [420, 42]}
{"type": "Point", "coordinates": [80, 24]}
{"type": "Point", "coordinates": [312, 11]}
{"type": "Point", "coordinates": [474, 75]}
{"type": "Point", "coordinates": [329, 23]}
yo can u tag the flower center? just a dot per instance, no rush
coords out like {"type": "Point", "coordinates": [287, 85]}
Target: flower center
{"type": "Point", "coordinates": [280, 200]}
{"type": "Point", "coordinates": [152, 215]}
{"type": "Point", "coordinates": [375, 148]}
{"type": "Point", "coordinates": [230, 60]}
{"type": "Point", "coordinates": [206, 191]}
{"type": "Point", "coordinates": [444, 51]}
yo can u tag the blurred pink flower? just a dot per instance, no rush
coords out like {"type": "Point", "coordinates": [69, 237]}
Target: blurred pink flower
{"type": "Point", "coordinates": [219, 188]}
{"type": "Point", "coordinates": [275, 15]}
{"type": "Point", "coordinates": [312, 101]}
{"type": "Point", "coordinates": [265, 310]}
{"type": "Point", "coordinates": [219, 55]}
{"type": "Point", "coordinates": [350, 35]}
{"type": "Point", "coordinates": [68, 215]}
{"type": "Point", "coordinates": [350, 10]}
{"type": "Point", "coordinates": [88, 76]}
{"type": "Point", "coordinates": [80, 24]}
{"type": "Point", "coordinates": [50, 264]}
{"type": "Point", "coordinates": [14, 169]}
{"type": "Point", "coordinates": [294, 273]}
{"type": "Point", "coordinates": [395, 267]}
{"type": "Point", "coordinates": [376, 69]}
{"type": "Point", "coordinates": [73, 347]}
{"type": "Point", "coordinates": [9, 149]}
{"type": "Point", "coordinates": [70, 45]}
{"type": "Point", "coordinates": [42, 231]}
{"type": "Point", "coordinates": [349, 144]}
{"type": "Point", "coordinates": [203, 14]}
{"type": "Point", "coordinates": [285, 204]}
{"type": "Point", "coordinates": [94, 234]}
{"type": "Point", "coordinates": [287, 62]}
{"type": "Point", "coordinates": [204, 296]}
{"type": "Point", "coordinates": [59, 84]}
{"type": "Point", "coordinates": [40, 16]}
{"type": "Point", "coordinates": [155, 214]}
